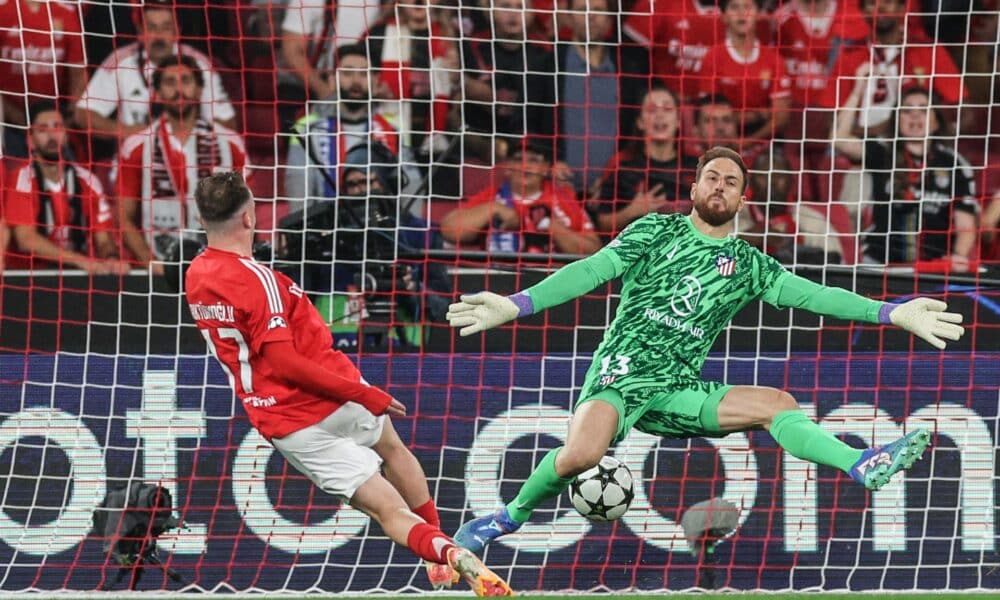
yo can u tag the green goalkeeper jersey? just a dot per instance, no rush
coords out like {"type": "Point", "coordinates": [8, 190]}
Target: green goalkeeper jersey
{"type": "Point", "coordinates": [680, 289]}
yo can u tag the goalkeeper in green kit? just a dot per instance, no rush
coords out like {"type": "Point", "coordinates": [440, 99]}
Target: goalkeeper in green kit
{"type": "Point", "coordinates": [684, 277]}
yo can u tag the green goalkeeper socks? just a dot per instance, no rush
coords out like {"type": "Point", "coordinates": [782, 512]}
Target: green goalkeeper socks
{"type": "Point", "coordinates": [542, 484]}
{"type": "Point", "coordinates": [805, 439]}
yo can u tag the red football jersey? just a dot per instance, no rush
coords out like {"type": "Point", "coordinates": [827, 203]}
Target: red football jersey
{"type": "Point", "coordinates": [924, 64]}
{"type": "Point", "coordinates": [680, 34]}
{"type": "Point", "coordinates": [748, 84]}
{"type": "Point", "coordinates": [239, 305]}
{"type": "Point", "coordinates": [554, 202]}
{"type": "Point", "coordinates": [37, 45]}
{"type": "Point", "coordinates": [807, 43]}
{"type": "Point", "coordinates": [155, 167]}
{"type": "Point", "coordinates": [22, 205]}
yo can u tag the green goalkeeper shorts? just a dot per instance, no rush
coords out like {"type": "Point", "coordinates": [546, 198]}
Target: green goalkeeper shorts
{"type": "Point", "coordinates": [671, 411]}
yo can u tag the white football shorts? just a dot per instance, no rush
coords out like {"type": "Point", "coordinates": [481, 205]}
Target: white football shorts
{"type": "Point", "coordinates": [336, 453]}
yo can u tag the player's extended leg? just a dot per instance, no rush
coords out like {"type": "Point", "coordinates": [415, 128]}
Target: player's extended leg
{"type": "Point", "coordinates": [337, 455]}
{"type": "Point", "coordinates": [750, 407]}
{"type": "Point", "coordinates": [379, 499]}
{"type": "Point", "coordinates": [591, 432]}
{"type": "Point", "coordinates": [405, 473]}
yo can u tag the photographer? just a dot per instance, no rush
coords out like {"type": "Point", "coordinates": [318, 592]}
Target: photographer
{"type": "Point", "coordinates": [352, 245]}
{"type": "Point", "coordinates": [336, 124]}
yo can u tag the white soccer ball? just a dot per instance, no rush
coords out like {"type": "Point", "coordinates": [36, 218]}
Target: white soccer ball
{"type": "Point", "coordinates": [604, 492]}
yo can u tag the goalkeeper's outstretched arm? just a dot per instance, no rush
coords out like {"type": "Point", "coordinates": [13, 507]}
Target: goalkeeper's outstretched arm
{"type": "Point", "coordinates": [486, 310]}
{"type": "Point", "coordinates": [923, 317]}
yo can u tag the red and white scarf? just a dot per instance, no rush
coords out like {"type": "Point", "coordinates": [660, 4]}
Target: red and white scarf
{"type": "Point", "coordinates": [172, 169]}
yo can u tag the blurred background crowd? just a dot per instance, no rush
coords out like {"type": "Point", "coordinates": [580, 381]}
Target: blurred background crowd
{"type": "Point", "coordinates": [495, 129]}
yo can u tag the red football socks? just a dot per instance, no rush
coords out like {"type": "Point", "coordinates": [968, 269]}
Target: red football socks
{"type": "Point", "coordinates": [429, 543]}
{"type": "Point", "coordinates": [428, 512]}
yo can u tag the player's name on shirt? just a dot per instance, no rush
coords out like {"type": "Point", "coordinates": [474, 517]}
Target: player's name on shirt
{"type": "Point", "coordinates": [213, 312]}
{"type": "Point", "coordinates": [669, 320]}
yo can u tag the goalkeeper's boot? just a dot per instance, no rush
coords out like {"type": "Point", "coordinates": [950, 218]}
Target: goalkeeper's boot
{"type": "Point", "coordinates": [479, 577]}
{"type": "Point", "coordinates": [475, 534]}
{"type": "Point", "coordinates": [441, 576]}
{"type": "Point", "coordinates": [877, 465]}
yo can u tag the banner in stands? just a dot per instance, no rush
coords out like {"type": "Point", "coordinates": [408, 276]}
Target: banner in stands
{"type": "Point", "coordinates": [72, 427]}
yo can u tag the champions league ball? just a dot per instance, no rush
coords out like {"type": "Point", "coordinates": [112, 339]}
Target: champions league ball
{"type": "Point", "coordinates": [604, 492]}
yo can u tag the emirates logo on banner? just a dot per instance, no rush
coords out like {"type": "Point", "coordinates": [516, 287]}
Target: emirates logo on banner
{"type": "Point", "coordinates": [726, 265]}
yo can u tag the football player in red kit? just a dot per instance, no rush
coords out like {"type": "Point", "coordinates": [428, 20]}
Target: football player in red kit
{"type": "Point", "coordinates": [306, 398]}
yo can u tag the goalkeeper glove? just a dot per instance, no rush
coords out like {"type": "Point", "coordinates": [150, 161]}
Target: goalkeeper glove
{"type": "Point", "coordinates": [926, 319]}
{"type": "Point", "coordinates": [482, 311]}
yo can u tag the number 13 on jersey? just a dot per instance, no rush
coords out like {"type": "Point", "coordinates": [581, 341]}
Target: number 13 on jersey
{"type": "Point", "coordinates": [612, 368]}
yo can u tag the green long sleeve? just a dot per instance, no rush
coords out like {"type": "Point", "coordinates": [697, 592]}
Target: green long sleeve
{"type": "Point", "coordinates": [575, 280]}
{"type": "Point", "coordinates": [793, 291]}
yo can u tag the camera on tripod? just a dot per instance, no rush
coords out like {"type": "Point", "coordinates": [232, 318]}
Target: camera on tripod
{"type": "Point", "coordinates": [130, 521]}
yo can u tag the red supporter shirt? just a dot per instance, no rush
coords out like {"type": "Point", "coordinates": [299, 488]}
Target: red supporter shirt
{"type": "Point", "coordinates": [162, 172]}
{"type": "Point", "coordinates": [680, 34]}
{"type": "Point", "coordinates": [38, 46]}
{"type": "Point", "coordinates": [922, 63]}
{"type": "Point", "coordinates": [536, 212]}
{"type": "Point", "coordinates": [22, 205]}
{"type": "Point", "coordinates": [748, 84]}
{"type": "Point", "coordinates": [807, 43]}
{"type": "Point", "coordinates": [239, 305]}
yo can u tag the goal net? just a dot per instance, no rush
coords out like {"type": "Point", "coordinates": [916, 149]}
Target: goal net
{"type": "Point", "coordinates": [462, 146]}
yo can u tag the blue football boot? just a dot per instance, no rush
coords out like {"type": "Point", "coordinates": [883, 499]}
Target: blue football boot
{"type": "Point", "coordinates": [877, 465]}
{"type": "Point", "coordinates": [475, 534]}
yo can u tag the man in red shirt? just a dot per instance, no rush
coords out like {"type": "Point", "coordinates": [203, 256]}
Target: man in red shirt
{"type": "Point", "coordinates": [41, 56]}
{"type": "Point", "coordinates": [527, 212]}
{"type": "Point", "coordinates": [303, 396]}
{"type": "Point", "coordinates": [809, 33]}
{"type": "Point", "coordinates": [750, 74]}
{"type": "Point", "coordinates": [898, 60]}
{"type": "Point", "coordinates": [679, 34]}
{"type": "Point", "coordinates": [160, 166]}
{"type": "Point", "coordinates": [57, 209]}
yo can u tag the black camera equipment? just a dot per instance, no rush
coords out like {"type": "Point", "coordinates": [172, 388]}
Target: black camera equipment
{"type": "Point", "coordinates": [357, 230]}
{"type": "Point", "coordinates": [186, 246]}
{"type": "Point", "coordinates": [129, 521]}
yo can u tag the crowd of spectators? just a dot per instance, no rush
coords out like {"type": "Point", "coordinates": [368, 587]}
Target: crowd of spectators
{"type": "Point", "coordinates": [507, 126]}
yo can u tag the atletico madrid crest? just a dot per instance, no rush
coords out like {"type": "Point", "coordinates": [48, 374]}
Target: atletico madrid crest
{"type": "Point", "coordinates": [726, 265]}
